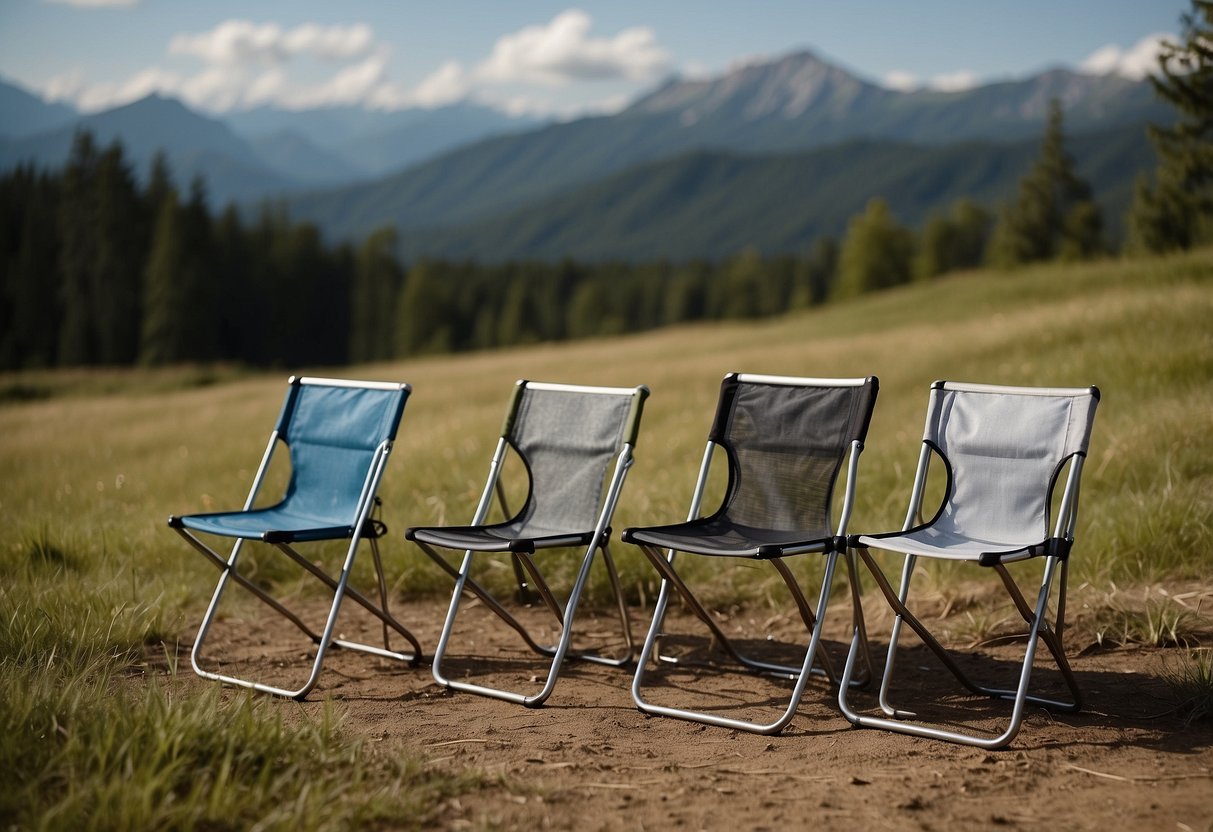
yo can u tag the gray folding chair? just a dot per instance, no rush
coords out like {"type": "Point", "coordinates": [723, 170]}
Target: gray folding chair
{"type": "Point", "coordinates": [1004, 450]}
{"type": "Point", "coordinates": [567, 437]}
{"type": "Point", "coordinates": [338, 434]}
{"type": "Point", "coordinates": [785, 440]}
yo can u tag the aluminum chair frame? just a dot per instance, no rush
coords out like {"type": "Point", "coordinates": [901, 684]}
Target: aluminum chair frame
{"type": "Point", "coordinates": [364, 525]}
{"type": "Point", "coordinates": [1055, 550]}
{"type": "Point", "coordinates": [528, 576]}
{"type": "Point", "coordinates": [831, 548]}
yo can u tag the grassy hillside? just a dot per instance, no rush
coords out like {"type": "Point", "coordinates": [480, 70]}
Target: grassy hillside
{"type": "Point", "coordinates": [91, 581]}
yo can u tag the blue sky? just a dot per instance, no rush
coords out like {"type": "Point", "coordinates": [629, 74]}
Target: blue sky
{"type": "Point", "coordinates": [544, 58]}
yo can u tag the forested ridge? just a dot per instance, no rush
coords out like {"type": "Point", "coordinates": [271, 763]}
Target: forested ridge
{"type": "Point", "coordinates": [100, 270]}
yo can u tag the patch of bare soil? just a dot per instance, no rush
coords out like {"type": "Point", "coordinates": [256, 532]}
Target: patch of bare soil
{"type": "Point", "coordinates": [590, 760]}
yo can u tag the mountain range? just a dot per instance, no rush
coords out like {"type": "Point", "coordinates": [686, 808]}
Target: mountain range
{"type": "Point", "coordinates": [768, 154]}
{"type": "Point", "coordinates": [248, 155]}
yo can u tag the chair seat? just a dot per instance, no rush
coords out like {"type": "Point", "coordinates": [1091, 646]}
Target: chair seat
{"type": "Point", "coordinates": [503, 537]}
{"type": "Point", "coordinates": [933, 543]}
{"type": "Point", "coordinates": [723, 538]}
{"type": "Point", "coordinates": [272, 525]}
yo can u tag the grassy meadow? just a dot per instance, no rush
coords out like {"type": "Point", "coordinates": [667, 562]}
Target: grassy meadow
{"type": "Point", "coordinates": [96, 592]}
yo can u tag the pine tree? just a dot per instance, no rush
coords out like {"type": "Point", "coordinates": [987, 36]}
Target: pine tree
{"type": "Point", "coordinates": [423, 320]}
{"type": "Point", "coordinates": [101, 259]}
{"type": "Point", "coordinates": [1176, 211]}
{"type": "Point", "coordinates": [77, 253]}
{"type": "Point", "coordinates": [376, 283]}
{"type": "Point", "coordinates": [876, 252]}
{"type": "Point", "coordinates": [1053, 214]}
{"type": "Point", "coordinates": [953, 241]}
{"type": "Point", "coordinates": [29, 250]}
{"type": "Point", "coordinates": [164, 303]}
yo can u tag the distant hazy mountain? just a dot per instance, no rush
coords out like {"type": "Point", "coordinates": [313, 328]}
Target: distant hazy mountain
{"type": "Point", "coordinates": [193, 144]}
{"type": "Point", "coordinates": [767, 154]}
{"type": "Point", "coordinates": [298, 159]}
{"type": "Point", "coordinates": [801, 98]}
{"type": "Point", "coordinates": [24, 114]}
{"type": "Point", "coordinates": [713, 204]}
{"type": "Point", "coordinates": [250, 155]}
{"type": "Point", "coordinates": [375, 142]}
{"type": "Point", "coordinates": [793, 104]}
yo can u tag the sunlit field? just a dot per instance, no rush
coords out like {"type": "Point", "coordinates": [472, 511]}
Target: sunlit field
{"type": "Point", "coordinates": [93, 583]}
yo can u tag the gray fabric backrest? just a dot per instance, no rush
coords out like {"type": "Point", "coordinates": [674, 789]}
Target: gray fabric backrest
{"type": "Point", "coordinates": [568, 440]}
{"type": "Point", "coordinates": [786, 443]}
{"type": "Point", "coordinates": [1004, 445]}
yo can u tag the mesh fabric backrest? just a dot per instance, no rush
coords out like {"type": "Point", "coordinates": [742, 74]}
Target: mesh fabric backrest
{"type": "Point", "coordinates": [786, 444]}
{"type": "Point", "coordinates": [332, 433]}
{"type": "Point", "coordinates": [1004, 449]}
{"type": "Point", "coordinates": [568, 440]}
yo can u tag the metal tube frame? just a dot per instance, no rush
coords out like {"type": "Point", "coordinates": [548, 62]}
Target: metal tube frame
{"type": "Point", "coordinates": [801, 675]}
{"type": "Point", "coordinates": [1035, 617]}
{"type": "Point", "coordinates": [339, 586]}
{"type": "Point", "coordinates": [561, 650]}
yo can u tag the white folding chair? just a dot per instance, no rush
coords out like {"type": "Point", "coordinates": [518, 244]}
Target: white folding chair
{"type": "Point", "coordinates": [1004, 450]}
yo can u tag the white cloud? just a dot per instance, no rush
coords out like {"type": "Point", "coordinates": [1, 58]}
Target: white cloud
{"type": "Point", "coordinates": [558, 68]}
{"type": "Point", "coordinates": [352, 85]}
{"type": "Point", "coordinates": [954, 81]}
{"type": "Point", "coordinates": [563, 52]}
{"type": "Point", "coordinates": [241, 42]}
{"type": "Point", "coordinates": [1136, 62]}
{"type": "Point", "coordinates": [445, 85]}
{"type": "Point", "coordinates": [901, 81]}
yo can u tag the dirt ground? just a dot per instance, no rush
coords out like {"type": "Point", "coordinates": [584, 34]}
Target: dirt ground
{"type": "Point", "coordinates": [590, 760]}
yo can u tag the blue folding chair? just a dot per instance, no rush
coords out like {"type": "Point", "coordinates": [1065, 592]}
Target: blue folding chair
{"type": "Point", "coordinates": [338, 434]}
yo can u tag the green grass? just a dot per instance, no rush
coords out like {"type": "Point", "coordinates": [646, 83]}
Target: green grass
{"type": "Point", "coordinates": [1190, 677]}
{"type": "Point", "coordinates": [92, 583]}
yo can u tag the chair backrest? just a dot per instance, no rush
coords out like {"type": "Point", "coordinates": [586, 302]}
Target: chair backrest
{"type": "Point", "coordinates": [567, 436]}
{"type": "Point", "coordinates": [333, 429]}
{"type": "Point", "coordinates": [786, 439]}
{"type": "Point", "coordinates": [1004, 448]}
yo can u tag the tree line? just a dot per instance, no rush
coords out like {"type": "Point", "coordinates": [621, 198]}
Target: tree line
{"type": "Point", "coordinates": [100, 270]}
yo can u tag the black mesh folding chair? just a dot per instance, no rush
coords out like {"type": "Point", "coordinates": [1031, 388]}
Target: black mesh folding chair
{"type": "Point", "coordinates": [567, 437]}
{"type": "Point", "coordinates": [338, 434]}
{"type": "Point", "coordinates": [1004, 450]}
{"type": "Point", "coordinates": [785, 440]}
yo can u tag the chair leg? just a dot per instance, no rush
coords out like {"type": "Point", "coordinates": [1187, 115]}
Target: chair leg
{"type": "Point", "coordinates": [487, 599]}
{"type": "Point", "coordinates": [1038, 631]}
{"type": "Point", "coordinates": [549, 599]}
{"type": "Point", "coordinates": [538, 589]}
{"type": "Point", "coordinates": [229, 569]}
{"type": "Point", "coordinates": [672, 579]}
{"type": "Point", "coordinates": [782, 671]}
{"type": "Point", "coordinates": [558, 652]}
{"type": "Point", "coordinates": [386, 618]}
{"type": "Point", "coordinates": [323, 641]}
